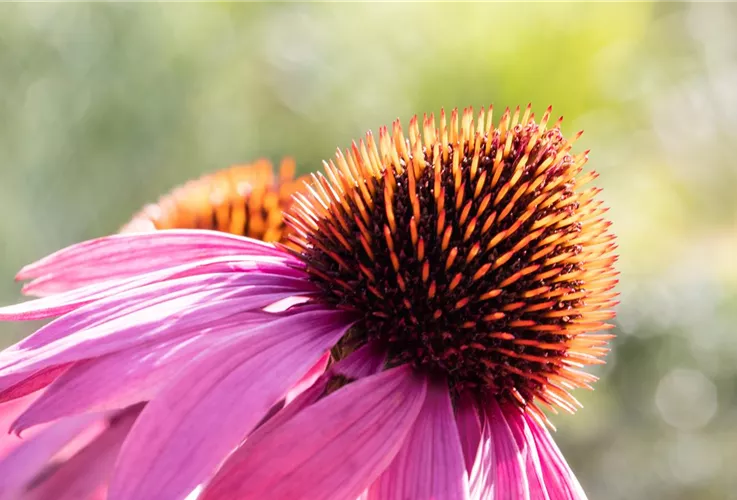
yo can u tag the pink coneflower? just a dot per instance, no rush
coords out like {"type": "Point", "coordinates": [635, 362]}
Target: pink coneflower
{"type": "Point", "coordinates": [61, 460]}
{"type": "Point", "coordinates": [436, 292]}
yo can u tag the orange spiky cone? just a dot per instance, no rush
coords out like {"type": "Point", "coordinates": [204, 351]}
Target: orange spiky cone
{"type": "Point", "coordinates": [244, 199]}
{"type": "Point", "coordinates": [471, 251]}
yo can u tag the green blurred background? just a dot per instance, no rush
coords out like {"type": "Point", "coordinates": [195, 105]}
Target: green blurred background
{"type": "Point", "coordinates": [103, 107]}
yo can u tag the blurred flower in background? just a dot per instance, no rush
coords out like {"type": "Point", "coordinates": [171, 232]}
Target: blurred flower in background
{"type": "Point", "coordinates": [106, 106]}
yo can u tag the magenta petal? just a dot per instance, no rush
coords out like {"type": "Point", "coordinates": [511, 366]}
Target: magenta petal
{"type": "Point", "coordinates": [192, 425]}
{"type": "Point", "coordinates": [509, 467]}
{"type": "Point", "coordinates": [280, 416]}
{"type": "Point", "coordinates": [364, 361]}
{"type": "Point", "coordinates": [200, 275]}
{"type": "Point", "coordinates": [125, 255]}
{"type": "Point", "coordinates": [526, 444]}
{"type": "Point", "coordinates": [88, 471]}
{"type": "Point", "coordinates": [28, 459]}
{"type": "Point", "coordinates": [309, 378]}
{"type": "Point", "coordinates": [61, 303]}
{"type": "Point", "coordinates": [123, 378]}
{"type": "Point", "coordinates": [59, 288]}
{"type": "Point", "coordinates": [169, 311]}
{"type": "Point", "coordinates": [108, 326]}
{"type": "Point", "coordinates": [481, 475]}
{"type": "Point", "coordinates": [8, 413]}
{"type": "Point", "coordinates": [560, 481]}
{"type": "Point", "coordinates": [332, 450]}
{"type": "Point", "coordinates": [33, 383]}
{"type": "Point", "coordinates": [123, 303]}
{"type": "Point", "coordinates": [430, 464]}
{"type": "Point", "coordinates": [469, 429]}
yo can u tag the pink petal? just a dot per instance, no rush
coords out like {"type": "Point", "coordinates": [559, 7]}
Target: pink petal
{"type": "Point", "coordinates": [198, 274]}
{"type": "Point", "coordinates": [309, 378]}
{"type": "Point", "coordinates": [481, 475]}
{"type": "Point", "coordinates": [560, 481]}
{"type": "Point", "coordinates": [111, 325]}
{"type": "Point", "coordinates": [526, 445]}
{"type": "Point", "coordinates": [80, 440]}
{"type": "Point", "coordinates": [33, 383]}
{"type": "Point", "coordinates": [62, 294]}
{"type": "Point", "coordinates": [430, 464]}
{"type": "Point", "coordinates": [87, 472]}
{"type": "Point", "coordinates": [211, 285]}
{"type": "Point", "coordinates": [363, 362]}
{"type": "Point", "coordinates": [28, 459]}
{"type": "Point", "coordinates": [332, 450]}
{"type": "Point", "coordinates": [8, 413]}
{"type": "Point", "coordinates": [125, 255]}
{"type": "Point", "coordinates": [469, 428]}
{"type": "Point", "coordinates": [279, 415]}
{"type": "Point", "coordinates": [8, 382]}
{"type": "Point", "coordinates": [285, 304]}
{"type": "Point", "coordinates": [126, 377]}
{"type": "Point", "coordinates": [510, 479]}
{"type": "Point", "coordinates": [186, 431]}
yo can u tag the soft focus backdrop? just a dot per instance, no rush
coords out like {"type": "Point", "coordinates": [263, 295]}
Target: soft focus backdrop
{"type": "Point", "coordinates": [103, 107]}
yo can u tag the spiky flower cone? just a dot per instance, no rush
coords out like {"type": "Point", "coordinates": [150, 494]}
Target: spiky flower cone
{"type": "Point", "coordinates": [471, 251]}
{"type": "Point", "coordinates": [245, 199]}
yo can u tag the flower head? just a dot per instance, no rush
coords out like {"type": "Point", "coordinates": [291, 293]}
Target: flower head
{"type": "Point", "coordinates": [471, 253]}
{"type": "Point", "coordinates": [434, 291]}
{"type": "Point", "coordinates": [244, 199]}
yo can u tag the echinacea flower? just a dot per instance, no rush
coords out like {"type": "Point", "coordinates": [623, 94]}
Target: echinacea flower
{"type": "Point", "coordinates": [437, 291]}
{"type": "Point", "coordinates": [71, 457]}
{"type": "Point", "coordinates": [243, 199]}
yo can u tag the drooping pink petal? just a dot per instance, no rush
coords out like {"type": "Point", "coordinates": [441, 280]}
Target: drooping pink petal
{"type": "Point", "coordinates": [482, 474]}
{"type": "Point", "coordinates": [509, 465]}
{"type": "Point", "coordinates": [285, 304]}
{"type": "Point", "coordinates": [127, 377]}
{"type": "Point", "coordinates": [187, 430]}
{"type": "Point", "coordinates": [157, 307]}
{"type": "Point", "coordinates": [111, 325]}
{"type": "Point", "coordinates": [526, 445]}
{"type": "Point", "coordinates": [363, 362]}
{"type": "Point", "coordinates": [7, 383]}
{"type": "Point", "coordinates": [366, 360]}
{"type": "Point", "coordinates": [469, 428]}
{"type": "Point", "coordinates": [430, 464]}
{"type": "Point", "coordinates": [300, 395]}
{"type": "Point", "coordinates": [309, 378]}
{"type": "Point", "coordinates": [32, 383]}
{"type": "Point", "coordinates": [560, 481]}
{"type": "Point", "coordinates": [26, 460]}
{"type": "Point", "coordinates": [81, 440]}
{"type": "Point", "coordinates": [61, 303]}
{"type": "Point", "coordinates": [331, 450]}
{"type": "Point", "coordinates": [9, 411]}
{"type": "Point", "coordinates": [198, 274]}
{"type": "Point", "coordinates": [125, 255]}
{"type": "Point", "coordinates": [83, 475]}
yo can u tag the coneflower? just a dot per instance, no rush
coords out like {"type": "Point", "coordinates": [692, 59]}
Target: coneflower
{"type": "Point", "coordinates": [437, 291]}
{"type": "Point", "coordinates": [71, 458]}
{"type": "Point", "coordinates": [244, 199]}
